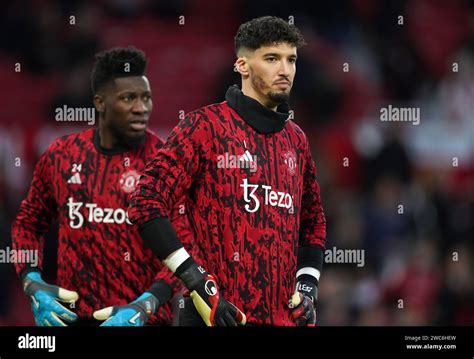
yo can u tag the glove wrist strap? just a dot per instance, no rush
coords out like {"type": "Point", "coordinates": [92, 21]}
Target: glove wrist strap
{"type": "Point", "coordinates": [27, 270]}
{"type": "Point", "coordinates": [147, 307]}
{"type": "Point", "coordinates": [308, 285]}
{"type": "Point", "coordinates": [191, 274]}
{"type": "Point", "coordinates": [161, 291]}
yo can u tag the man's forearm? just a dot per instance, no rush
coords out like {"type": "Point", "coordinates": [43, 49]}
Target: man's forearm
{"type": "Point", "coordinates": [160, 236]}
{"type": "Point", "coordinates": [310, 256]}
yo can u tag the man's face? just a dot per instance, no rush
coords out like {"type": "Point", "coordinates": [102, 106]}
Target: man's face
{"type": "Point", "coordinates": [272, 70]}
{"type": "Point", "coordinates": [128, 106]}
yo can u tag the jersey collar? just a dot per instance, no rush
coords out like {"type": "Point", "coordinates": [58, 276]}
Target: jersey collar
{"type": "Point", "coordinates": [102, 150]}
{"type": "Point", "coordinates": [257, 116]}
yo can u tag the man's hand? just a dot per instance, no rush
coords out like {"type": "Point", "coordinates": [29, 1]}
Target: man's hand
{"type": "Point", "coordinates": [211, 306]}
{"type": "Point", "coordinates": [134, 314]}
{"type": "Point", "coordinates": [138, 312]}
{"type": "Point", "coordinates": [44, 301]}
{"type": "Point", "coordinates": [302, 304]}
{"type": "Point", "coordinates": [213, 309]}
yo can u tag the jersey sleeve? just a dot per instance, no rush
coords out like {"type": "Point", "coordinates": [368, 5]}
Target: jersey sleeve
{"type": "Point", "coordinates": [169, 175]}
{"type": "Point", "coordinates": [313, 222]}
{"type": "Point", "coordinates": [36, 211]}
{"type": "Point", "coordinates": [180, 222]}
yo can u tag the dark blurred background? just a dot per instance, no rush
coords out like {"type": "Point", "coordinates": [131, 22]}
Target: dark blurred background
{"type": "Point", "coordinates": [366, 168]}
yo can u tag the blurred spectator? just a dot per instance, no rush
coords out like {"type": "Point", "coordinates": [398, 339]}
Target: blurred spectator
{"type": "Point", "coordinates": [412, 294]}
{"type": "Point", "coordinates": [388, 220]}
{"type": "Point", "coordinates": [455, 306]}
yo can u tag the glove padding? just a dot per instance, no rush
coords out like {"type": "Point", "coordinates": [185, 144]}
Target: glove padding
{"type": "Point", "coordinates": [213, 309]}
{"type": "Point", "coordinates": [302, 309]}
{"type": "Point", "coordinates": [303, 301]}
{"type": "Point", "coordinates": [211, 306]}
{"type": "Point", "coordinates": [135, 314]}
{"type": "Point", "coordinates": [138, 312]}
{"type": "Point", "coordinates": [45, 301]}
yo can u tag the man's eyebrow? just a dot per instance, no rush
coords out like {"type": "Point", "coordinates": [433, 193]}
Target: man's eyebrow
{"type": "Point", "coordinates": [126, 92]}
{"type": "Point", "coordinates": [133, 92]}
{"type": "Point", "coordinates": [275, 54]}
{"type": "Point", "coordinates": [272, 54]}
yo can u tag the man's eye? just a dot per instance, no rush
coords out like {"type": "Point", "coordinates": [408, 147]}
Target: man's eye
{"type": "Point", "coordinates": [128, 98]}
{"type": "Point", "coordinates": [146, 98]}
{"type": "Point", "coordinates": [292, 61]}
{"type": "Point", "coordinates": [271, 59]}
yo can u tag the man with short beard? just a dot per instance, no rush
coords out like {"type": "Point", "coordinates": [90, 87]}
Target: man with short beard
{"type": "Point", "coordinates": [259, 236]}
{"type": "Point", "coordinates": [85, 180]}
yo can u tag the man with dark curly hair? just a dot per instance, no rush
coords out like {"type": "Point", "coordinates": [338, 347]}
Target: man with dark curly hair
{"type": "Point", "coordinates": [84, 180]}
{"type": "Point", "coordinates": [253, 199]}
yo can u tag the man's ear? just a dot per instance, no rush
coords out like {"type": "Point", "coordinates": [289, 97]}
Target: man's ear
{"type": "Point", "coordinates": [99, 103]}
{"type": "Point", "coordinates": [242, 66]}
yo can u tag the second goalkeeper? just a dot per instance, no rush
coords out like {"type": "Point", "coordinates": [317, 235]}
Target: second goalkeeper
{"type": "Point", "coordinates": [84, 180]}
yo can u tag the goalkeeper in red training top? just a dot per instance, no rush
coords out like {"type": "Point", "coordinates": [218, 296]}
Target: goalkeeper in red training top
{"type": "Point", "coordinates": [254, 203]}
{"type": "Point", "coordinates": [85, 180]}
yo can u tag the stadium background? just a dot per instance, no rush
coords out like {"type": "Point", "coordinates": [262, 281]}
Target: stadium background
{"type": "Point", "coordinates": [366, 168]}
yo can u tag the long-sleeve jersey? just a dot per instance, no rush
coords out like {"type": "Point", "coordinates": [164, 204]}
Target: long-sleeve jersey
{"type": "Point", "coordinates": [252, 199]}
{"type": "Point", "coordinates": [100, 253]}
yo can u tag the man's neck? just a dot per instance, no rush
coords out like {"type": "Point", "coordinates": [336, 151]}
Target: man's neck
{"type": "Point", "coordinates": [107, 140]}
{"type": "Point", "coordinates": [249, 91]}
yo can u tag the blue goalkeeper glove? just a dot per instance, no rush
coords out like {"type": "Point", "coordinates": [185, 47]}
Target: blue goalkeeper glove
{"type": "Point", "coordinates": [45, 301]}
{"type": "Point", "coordinates": [138, 312]}
{"type": "Point", "coordinates": [211, 306]}
{"type": "Point", "coordinates": [302, 303]}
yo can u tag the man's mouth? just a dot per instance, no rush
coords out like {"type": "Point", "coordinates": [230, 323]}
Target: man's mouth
{"type": "Point", "coordinates": [138, 125]}
{"type": "Point", "coordinates": [282, 84]}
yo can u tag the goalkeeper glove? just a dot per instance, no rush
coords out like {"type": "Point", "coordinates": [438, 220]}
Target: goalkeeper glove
{"type": "Point", "coordinates": [302, 303]}
{"type": "Point", "coordinates": [44, 301]}
{"type": "Point", "coordinates": [213, 309]}
{"type": "Point", "coordinates": [138, 312]}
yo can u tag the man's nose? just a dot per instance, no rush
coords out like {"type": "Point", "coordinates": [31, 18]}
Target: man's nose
{"type": "Point", "coordinates": [284, 69]}
{"type": "Point", "coordinates": [139, 106]}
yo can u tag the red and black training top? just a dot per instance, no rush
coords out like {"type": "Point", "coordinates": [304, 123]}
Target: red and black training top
{"type": "Point", "coordinates": [100, 253]}
{"type": "Point", "coordinates": [252, 199]}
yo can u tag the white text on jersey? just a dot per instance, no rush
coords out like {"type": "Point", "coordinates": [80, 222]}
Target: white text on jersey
{"type": "Point", "coordinates": [271, 197]}
{"type": "Point", "coordinates": [95, 214]}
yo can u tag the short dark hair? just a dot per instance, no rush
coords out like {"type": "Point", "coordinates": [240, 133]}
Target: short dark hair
{"type": "Point", "coordinates": [111, 64]}
{"type": "Point", "coordinates": [267, 30]}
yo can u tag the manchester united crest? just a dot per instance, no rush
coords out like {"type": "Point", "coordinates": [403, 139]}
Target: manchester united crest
{"type": "Point", "coordinates": [129, 181]}
{"type": "Point", "coordinates": [289, 158]}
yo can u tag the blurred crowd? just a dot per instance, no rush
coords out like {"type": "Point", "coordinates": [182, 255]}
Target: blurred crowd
{"type": "Point", "coordinates": [402, 193]}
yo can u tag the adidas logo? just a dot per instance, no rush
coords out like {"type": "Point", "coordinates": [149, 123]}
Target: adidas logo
{"type": "Point", "coordinates": [246, 161]}
{"type": "Point", "coordinates": [75, 179]}
{"type": "Point", "coordinates": [246, 157]}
